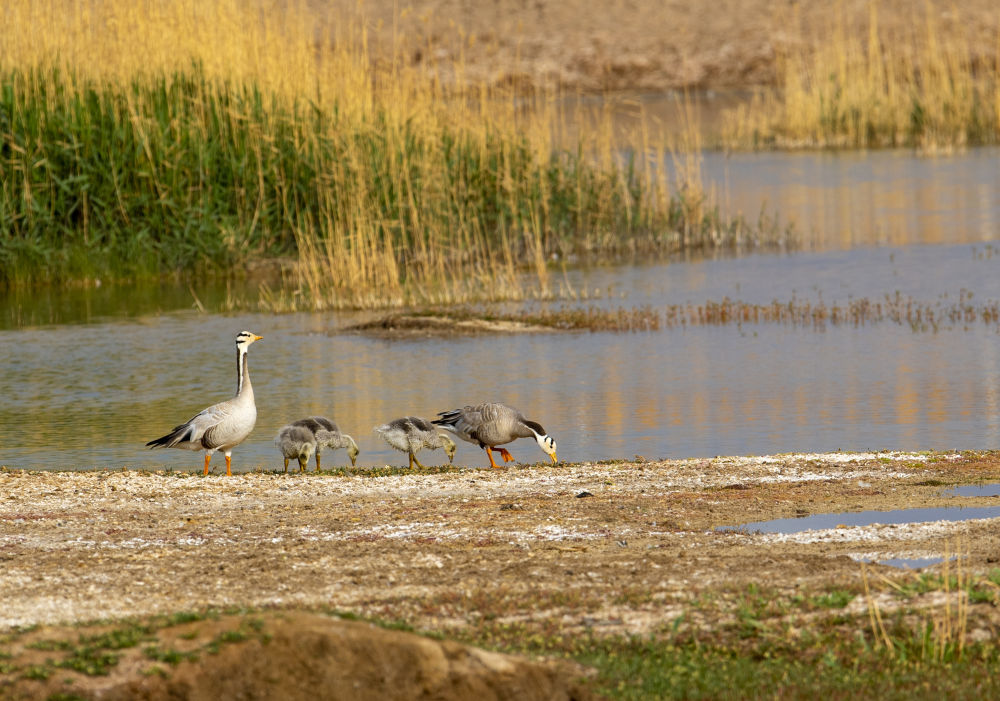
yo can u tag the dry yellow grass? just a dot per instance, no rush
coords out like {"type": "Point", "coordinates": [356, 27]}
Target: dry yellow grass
{"type": "Point", "coordinates": [921, 86]}
{"type": "Point", "coordinates": [358, 245]}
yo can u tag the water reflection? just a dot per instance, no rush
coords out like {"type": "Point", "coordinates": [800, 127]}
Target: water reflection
{"type": "Point", "coordinates": [137, 362]}
{"type": "Point", "coordinates": [843, 200]}
{"type": "Point", "coordinates": [822, 522]}
{"type": "Point", "coordinates": [92, 395]}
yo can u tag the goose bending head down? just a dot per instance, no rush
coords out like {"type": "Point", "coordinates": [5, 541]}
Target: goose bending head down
{"type": "Point", "coordinates": [296, 442]}
{"type": "Point", "coordinates": [222, 426]}
{"type": "Point", "coordinates": [328, 435]}
{"type": "Point", "coordinates": [491, 424]}
{"type": "Point", "coordinates": [411, 433]}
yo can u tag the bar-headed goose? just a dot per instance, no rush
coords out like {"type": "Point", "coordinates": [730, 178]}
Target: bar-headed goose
{"type": "Point", "coordinates": [222, 426]}
{"type": "Point", "coordinates": [328, 435]}
{"type": "Point", "coordinates": [296, 442]}
{"type": "Point", "coordinates": [491, 424]}
{"type": "Point", "coordinates": [411, 433]}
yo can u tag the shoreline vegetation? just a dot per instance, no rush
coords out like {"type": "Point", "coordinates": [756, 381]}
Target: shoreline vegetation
{"type": "Point", "coordinates": [387, 187]}
{"type": "Point", "coordinates": [132, 151]}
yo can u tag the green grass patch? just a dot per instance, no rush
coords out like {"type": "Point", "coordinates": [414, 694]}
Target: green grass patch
{"type": "Point", "coordinates": [169, 655]}
{"type": "Point", "coordinates": [642, 669]}
{"type": "Point", "coordinates": [836, 599]}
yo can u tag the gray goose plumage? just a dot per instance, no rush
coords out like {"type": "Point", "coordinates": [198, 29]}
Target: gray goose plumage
{"type": "Point", "coordinates": [296, 442]}
{"type": "Point", "coordinates": [491, 424]}
{"type": "Point", "coordinates": [411, 433]}
{"type": "Point", "coordinates": [221, 426]}
{"type": "Point", "coordinates": [328, 435]}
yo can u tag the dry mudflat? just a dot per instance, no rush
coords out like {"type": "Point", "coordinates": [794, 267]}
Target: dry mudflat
{"type": "Point", "coordinates": [619, 548]}
{"type": "Point", "coordinates": [625, 45]}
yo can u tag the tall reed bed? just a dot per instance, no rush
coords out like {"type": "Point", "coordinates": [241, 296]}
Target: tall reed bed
{"type": "Point", "coordinates": [923, 87]}
{"type": "Point", "coordinates": [197, 137]}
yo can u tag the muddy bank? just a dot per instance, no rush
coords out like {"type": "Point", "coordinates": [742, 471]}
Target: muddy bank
{"type": "Point", "coordinates": [618, 548]}
{"type": "Point", "coordinates": [86, 545]}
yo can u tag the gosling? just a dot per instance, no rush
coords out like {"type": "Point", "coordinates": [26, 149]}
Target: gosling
{"type": "Point", "coordinates": [411, 433]}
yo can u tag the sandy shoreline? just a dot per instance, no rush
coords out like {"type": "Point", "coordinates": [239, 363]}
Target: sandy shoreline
{"type": "Point", "coordinates": [84, 545]}
{"type": "Point", "coordinates": [609, 549]}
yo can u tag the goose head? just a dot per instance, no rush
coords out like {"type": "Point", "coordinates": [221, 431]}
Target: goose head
{"type": "Point", "coordinates": [544, 440]}
{"type": "Point", "coordinates": [449, 447]}
{"type": "Point", "coordinates": [547, 444]}
{"type": "Point", "coordinates": [352, 451]}
{"type": "Point", "coordinates": [245, 338]}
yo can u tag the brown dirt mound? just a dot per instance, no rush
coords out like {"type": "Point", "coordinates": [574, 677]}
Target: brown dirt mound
{"type": "Point", "coordinates": [295, 655]}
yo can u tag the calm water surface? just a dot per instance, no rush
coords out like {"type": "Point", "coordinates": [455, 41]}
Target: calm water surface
{"type": "Point", "coordinates": [90, 376]}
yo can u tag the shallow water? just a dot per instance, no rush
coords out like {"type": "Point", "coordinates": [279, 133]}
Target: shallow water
{"type": "Point", "coordinates": [91, 375]}
{"type": "Point", "coordinates": [822, 522]}
{"type": "Point", "coordinates": [911, 563]}
{"type": "Point", "coordinates": [974, 490]}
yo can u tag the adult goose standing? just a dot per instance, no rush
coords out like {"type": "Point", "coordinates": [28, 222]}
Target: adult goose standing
{"type": "Point", "coordinates": [491, 424]}
{"type": "Point", "coordinates": [221, 426]}
{"type": "Point", "coordinates": [328, 435]}
{"type": "Point", "coordinates": [296, 442]}
{"type": "Point", "coordinates": [411, 433]}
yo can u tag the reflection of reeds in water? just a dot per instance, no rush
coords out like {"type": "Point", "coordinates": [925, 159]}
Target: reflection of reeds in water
{"type": "Point", "coordinates": [922, 87]}
{"type": "Point", "coordinates": [186, 136]}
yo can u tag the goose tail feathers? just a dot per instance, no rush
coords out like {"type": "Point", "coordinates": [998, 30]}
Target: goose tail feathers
{"type": "Point", "coordinates": [180, 434]}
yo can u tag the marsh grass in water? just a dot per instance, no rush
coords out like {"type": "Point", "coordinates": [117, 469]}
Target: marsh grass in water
{"type": "Point", "coordinates": [896, 309]}
{"type": "Point", "coordinates": [198, 138]}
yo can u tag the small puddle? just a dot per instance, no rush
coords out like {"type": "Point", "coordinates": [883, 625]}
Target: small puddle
{"type": "Point", "coordinates": [820, 522]}
{"type": "Point", "coordinates": [911, 563]}
{"type": "Point", "coordinates": [974, 490]}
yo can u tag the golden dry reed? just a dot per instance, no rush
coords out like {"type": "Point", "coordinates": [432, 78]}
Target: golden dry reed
{"type": "Point", "coordinates": [192, 136]}
{"type": "Point", "coordinates": [924, 87]}
{"type": "Point", "coordinates": [943, 636]}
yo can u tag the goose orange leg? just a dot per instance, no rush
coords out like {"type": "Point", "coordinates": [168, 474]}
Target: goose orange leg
{"type": "Point", "coordinates": [208, 458]}
{"type": "Point", "coordinates": [507, 457]}
{"type": "Point", "coordinates": [229, 465]}
{"type": "Point", "coordinates": [489, 452]}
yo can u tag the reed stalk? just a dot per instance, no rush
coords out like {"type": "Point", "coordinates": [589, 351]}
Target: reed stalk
{"type": "Point", "coordinates": [184, 138]}
{"type": "Point", "coordinates": [922, 88]}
